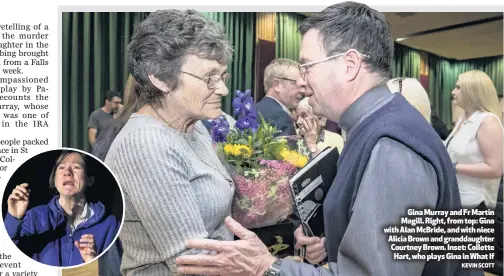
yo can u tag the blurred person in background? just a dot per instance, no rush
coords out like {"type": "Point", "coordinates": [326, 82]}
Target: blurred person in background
{"type": "Point", "coordinates": [439, 125]}
{"type": "Point", "coordinates": [416, 95]}
{"type": "Point", "coordinates": [115, 125]}
{"type": "Point", "coordinates": [99, 119]}
{"type": "Point", "coordinates": [413, 91]}
{"type": "Point", "coordinates": [284, 90]}
{"type": "Point", "coordinates": [311, 127]}
{"type": "Point", "coordinates": [333, 127]}
{"type": "Point", "coordinates": [475, 144]}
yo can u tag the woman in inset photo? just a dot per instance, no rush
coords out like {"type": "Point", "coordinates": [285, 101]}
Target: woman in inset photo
{"type": "Point", "coordinates": [73, 226]}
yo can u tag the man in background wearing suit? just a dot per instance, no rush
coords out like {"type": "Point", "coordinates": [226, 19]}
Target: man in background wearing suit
{"type": "Point", "coordinates": [284, 89]}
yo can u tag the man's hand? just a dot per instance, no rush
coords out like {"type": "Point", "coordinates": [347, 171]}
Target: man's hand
{"type": "Point", "coordinates": [86, 247]}
{"type": "Point", "coordinates": [245, 257]}
{"type": "Point", "coordinates": [18, 201]}
{"type": "Point", "coordinates": [120, 109]}
{"type": "Point", "coordinates": [315, 246]}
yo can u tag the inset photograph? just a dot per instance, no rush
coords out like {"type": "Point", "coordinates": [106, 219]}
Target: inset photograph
{"type": "Point", "coordinates": [63, 208]}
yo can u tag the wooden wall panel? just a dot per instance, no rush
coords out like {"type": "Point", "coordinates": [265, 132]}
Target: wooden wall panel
{"type": "Point", "coordinates": [265, 53]}
{"type": "Point", "coordinates": [90, 269]}
{"type": "Point", "coordinates": [265, 29]}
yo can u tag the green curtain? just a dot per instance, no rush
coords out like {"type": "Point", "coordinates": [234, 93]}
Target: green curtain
{"type": "Point", "coordinates": [288, 39]}
{"type": "Point", "coordinates": [441, 82]}
{"type": "Point", "coordinates": [493, 66]}
{"type": "Point", "coordinates": [240, 28]}
{"type": "Point", "coordinates": [406, 62]}
{"type": "Point", "coordinates": [93, 60]}
{"type": "Point", "coordinates": [443, 74]}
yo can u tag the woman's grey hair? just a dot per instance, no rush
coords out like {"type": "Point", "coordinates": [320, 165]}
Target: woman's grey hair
{"type": "Point", "coordinates": [161, 43]}
{"type": "Point", "coordinates": [304, 103]}
{"type": "Point", "coordinates": [351, 25]}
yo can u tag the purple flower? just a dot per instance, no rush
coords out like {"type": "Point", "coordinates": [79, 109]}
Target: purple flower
{"type": "Point", "coordinates": [245, 122]}
{"type": "Point", "coordinates": [244, 107]}
{"type": "Point", "coordinates": [243, 103]}
{"type": "Point", "coordinates": [237, 106]}
{"type": "Point", "coordinates": [249, 109]}
{"type": "Point", "coordinates": [220, 129]}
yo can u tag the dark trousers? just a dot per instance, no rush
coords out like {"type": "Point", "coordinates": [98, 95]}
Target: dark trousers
{"type": "Point", "coordinates": [109, 263]}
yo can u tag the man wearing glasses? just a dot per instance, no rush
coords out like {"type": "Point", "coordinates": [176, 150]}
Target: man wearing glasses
{"type": "Point", "coordinates": [284, 90]}
{"type": "Point", "coordinates": [392, 160]}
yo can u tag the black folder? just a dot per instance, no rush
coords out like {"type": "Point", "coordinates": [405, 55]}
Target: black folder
{"type": "Point", "coordinates": [310, 186]}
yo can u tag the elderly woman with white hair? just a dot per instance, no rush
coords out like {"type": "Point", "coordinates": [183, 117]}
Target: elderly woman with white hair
{"type": "Point", "coordinates": [415, 94]}
{"type": "Point", "coordinates": [311, 128]}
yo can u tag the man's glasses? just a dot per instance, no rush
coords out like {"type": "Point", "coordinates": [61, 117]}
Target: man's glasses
{"type": "Point", "coordinates": [212, 80]}
{"type": "Point", "coordinates": [287, 79]}
{"type": "Point", "coordinates": [304, 67]}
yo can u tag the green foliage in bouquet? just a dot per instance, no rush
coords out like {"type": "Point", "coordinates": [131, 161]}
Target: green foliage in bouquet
{"type": "Point", "coordinates": [250, 142]}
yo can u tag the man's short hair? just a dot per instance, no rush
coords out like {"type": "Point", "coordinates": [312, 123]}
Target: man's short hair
{"type": "Point", "coordinates": [351, 25]}
{"type": "Point", "coordinates": [276, 69]}
{"type": "Point", "coordinates": [111, 94]}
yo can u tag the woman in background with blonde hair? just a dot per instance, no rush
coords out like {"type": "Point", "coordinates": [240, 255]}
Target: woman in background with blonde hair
{"type": "Point", "coordinates": [476, 143]}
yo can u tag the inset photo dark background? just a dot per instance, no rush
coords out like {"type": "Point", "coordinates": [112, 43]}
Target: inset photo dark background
{"type": "Point", "coordinates": [45, 232]}
{"type": "Point", "coordinates": [36, 172]}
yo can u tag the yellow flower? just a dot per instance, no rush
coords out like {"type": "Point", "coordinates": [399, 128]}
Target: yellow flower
{"type": "Point", "coordinates": [238, 150]}
{"type": "Point", "coordinates": [229, 149]}
{"type": "Point", "coordinates": [294, 158]}
{"type": "Point", "coordinates": [243, 150]}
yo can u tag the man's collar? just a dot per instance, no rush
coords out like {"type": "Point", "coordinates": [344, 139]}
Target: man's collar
{"type": "Point", "coordinates": [283, 106]}
{"type": "Point", "coordinates": [362, 106]}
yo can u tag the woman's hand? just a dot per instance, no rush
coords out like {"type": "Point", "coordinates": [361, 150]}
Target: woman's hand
{"type": "Point", "coordinates": [18, 201]}
{"type": "Point", "coordinates": [86, 247]}
{"type": "Point", "coordinates": [245, 257]}
{"type": "Point", "coordinates": [315, 246]}
{"type": "Point", "coordinates": [310, 131]}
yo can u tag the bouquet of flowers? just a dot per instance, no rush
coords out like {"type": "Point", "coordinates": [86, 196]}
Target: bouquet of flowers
{"type": "Point", "coordinates": [260, 165]}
